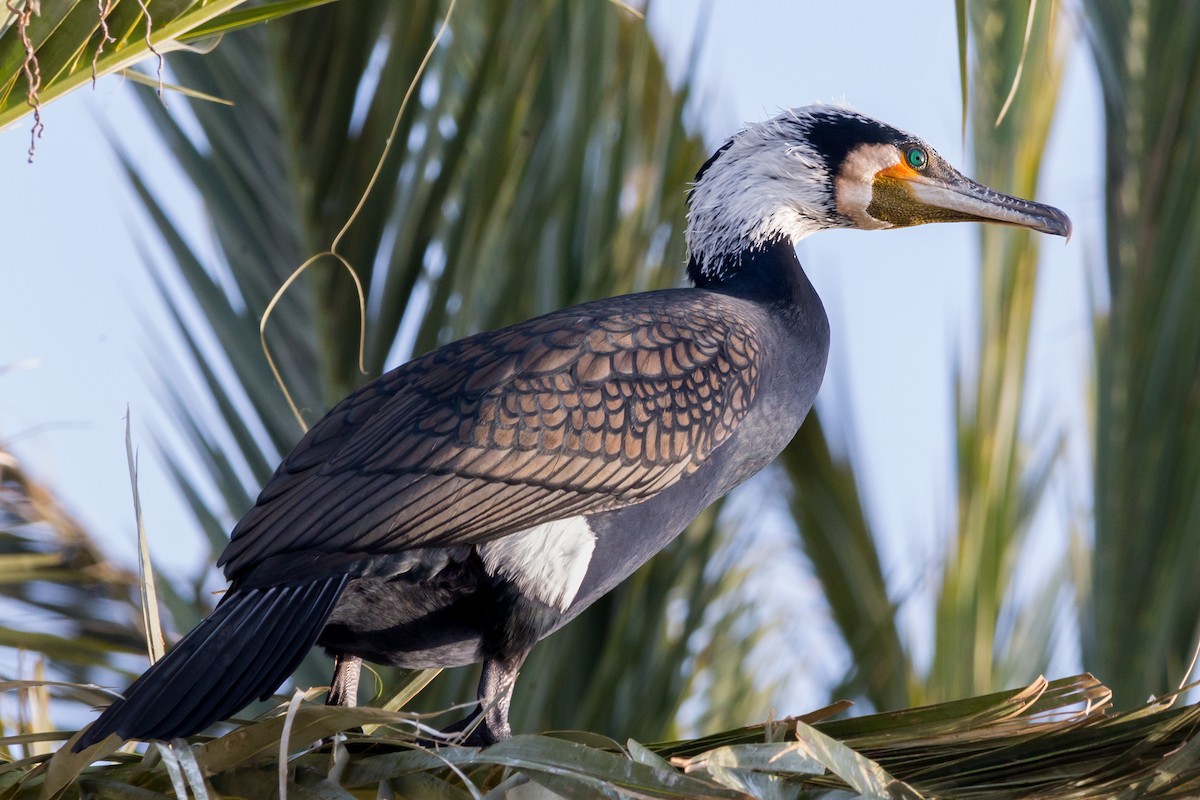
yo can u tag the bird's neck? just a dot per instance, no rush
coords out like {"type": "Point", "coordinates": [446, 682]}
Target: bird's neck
{"type": "Point", "coordinates": [768, 272]}
{"type": "Point", "coordinates": [721, 248]}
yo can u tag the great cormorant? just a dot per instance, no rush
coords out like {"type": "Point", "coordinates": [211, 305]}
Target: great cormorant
{"type": "Point", "coordinates": [474, 500]}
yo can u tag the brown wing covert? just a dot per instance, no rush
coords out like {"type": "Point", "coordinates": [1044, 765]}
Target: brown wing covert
{"type": "Point", "coordinates": [562, 415]}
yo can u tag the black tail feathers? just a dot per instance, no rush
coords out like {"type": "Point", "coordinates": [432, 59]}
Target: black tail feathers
{"type": "Point", "coordinates": [241, 652]}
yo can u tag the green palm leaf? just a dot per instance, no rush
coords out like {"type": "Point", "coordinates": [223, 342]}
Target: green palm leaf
{"type": "Point", "coordinates": [1140, 624]}
{"type": "Point", "coordinates": [51, 47]}
{"type": "Point", "coordinates": [65, 600]}
{"type": "Point", "coordinates": [999, 483]}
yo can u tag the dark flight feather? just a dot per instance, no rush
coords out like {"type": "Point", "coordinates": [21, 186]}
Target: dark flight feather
{"type": "Point", "coordinates": [253, 640]}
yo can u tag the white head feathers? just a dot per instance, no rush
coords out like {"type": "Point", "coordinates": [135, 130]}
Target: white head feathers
{"type": "Point", "coordinates": [767, 181]}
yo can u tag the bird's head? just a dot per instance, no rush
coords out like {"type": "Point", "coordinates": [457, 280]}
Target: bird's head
{"type": "Point", "coordinates": [824, 166]}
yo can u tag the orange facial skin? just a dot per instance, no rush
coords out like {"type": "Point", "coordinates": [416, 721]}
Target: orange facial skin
{"type": "Point", "coordinates": [898, 170]}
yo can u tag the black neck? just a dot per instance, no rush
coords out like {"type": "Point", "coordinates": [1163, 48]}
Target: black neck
{"type": "Point", "coordinates": [769, 273]}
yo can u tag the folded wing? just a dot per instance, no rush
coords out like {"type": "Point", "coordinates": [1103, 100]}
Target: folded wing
{"type": "Point", "coordinates": [576, 412]}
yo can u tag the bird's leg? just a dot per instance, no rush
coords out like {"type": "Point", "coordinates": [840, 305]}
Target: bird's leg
{"type": "Point", "coordinates": [343, 690]}
{"type": "Point", "coordinates": [495, 695]}
{"type": "Point", "coordinates": [488, 721]}
{"type": "Point", "coordinates": [507, 642]}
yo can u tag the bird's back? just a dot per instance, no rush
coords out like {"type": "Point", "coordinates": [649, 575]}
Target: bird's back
{"type": "Point", "coordinates": [585, 410]}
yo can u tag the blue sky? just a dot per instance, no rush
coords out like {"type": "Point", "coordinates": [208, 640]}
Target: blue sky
{"type": "Point", "coordinates": [78, 300]}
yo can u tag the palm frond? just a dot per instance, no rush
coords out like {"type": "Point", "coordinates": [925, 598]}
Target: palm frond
{"type": "Point", "coordinates": [51, 47]}
{"type": "Point", "coordinates": [998, 480]}
{"type": "Point", "coordinates": [1051, 739]}
{"type": "Point", "coordinates": [838, 538]}
{"type": "Point", "coordinates": [64, 599]}
{"type": "Point", "coordinates": [1147, 510]}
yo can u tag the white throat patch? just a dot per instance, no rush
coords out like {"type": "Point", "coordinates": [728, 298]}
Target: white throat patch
{"type": "Point", "coordinates": [547, 562]}
{"type": "Point", "coordinates": [853, 184]}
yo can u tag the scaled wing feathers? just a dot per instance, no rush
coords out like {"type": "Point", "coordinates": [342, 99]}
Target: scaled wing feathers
{"type": "Point", "coordinates": [591, 408]}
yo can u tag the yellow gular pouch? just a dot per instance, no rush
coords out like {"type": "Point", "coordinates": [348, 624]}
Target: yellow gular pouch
{"type": "Point", "coordinates": [893, 201]}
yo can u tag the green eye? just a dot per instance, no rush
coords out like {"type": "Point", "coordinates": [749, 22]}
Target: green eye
{"type": "Point", "coordinates": [917, 158]}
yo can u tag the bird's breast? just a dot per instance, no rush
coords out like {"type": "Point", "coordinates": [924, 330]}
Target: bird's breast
{"type": "Point", "coordinates": [792, 363]}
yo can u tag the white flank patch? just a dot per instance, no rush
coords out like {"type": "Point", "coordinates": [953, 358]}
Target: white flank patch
{"type": "Point", "coordinates": [547, 562]}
